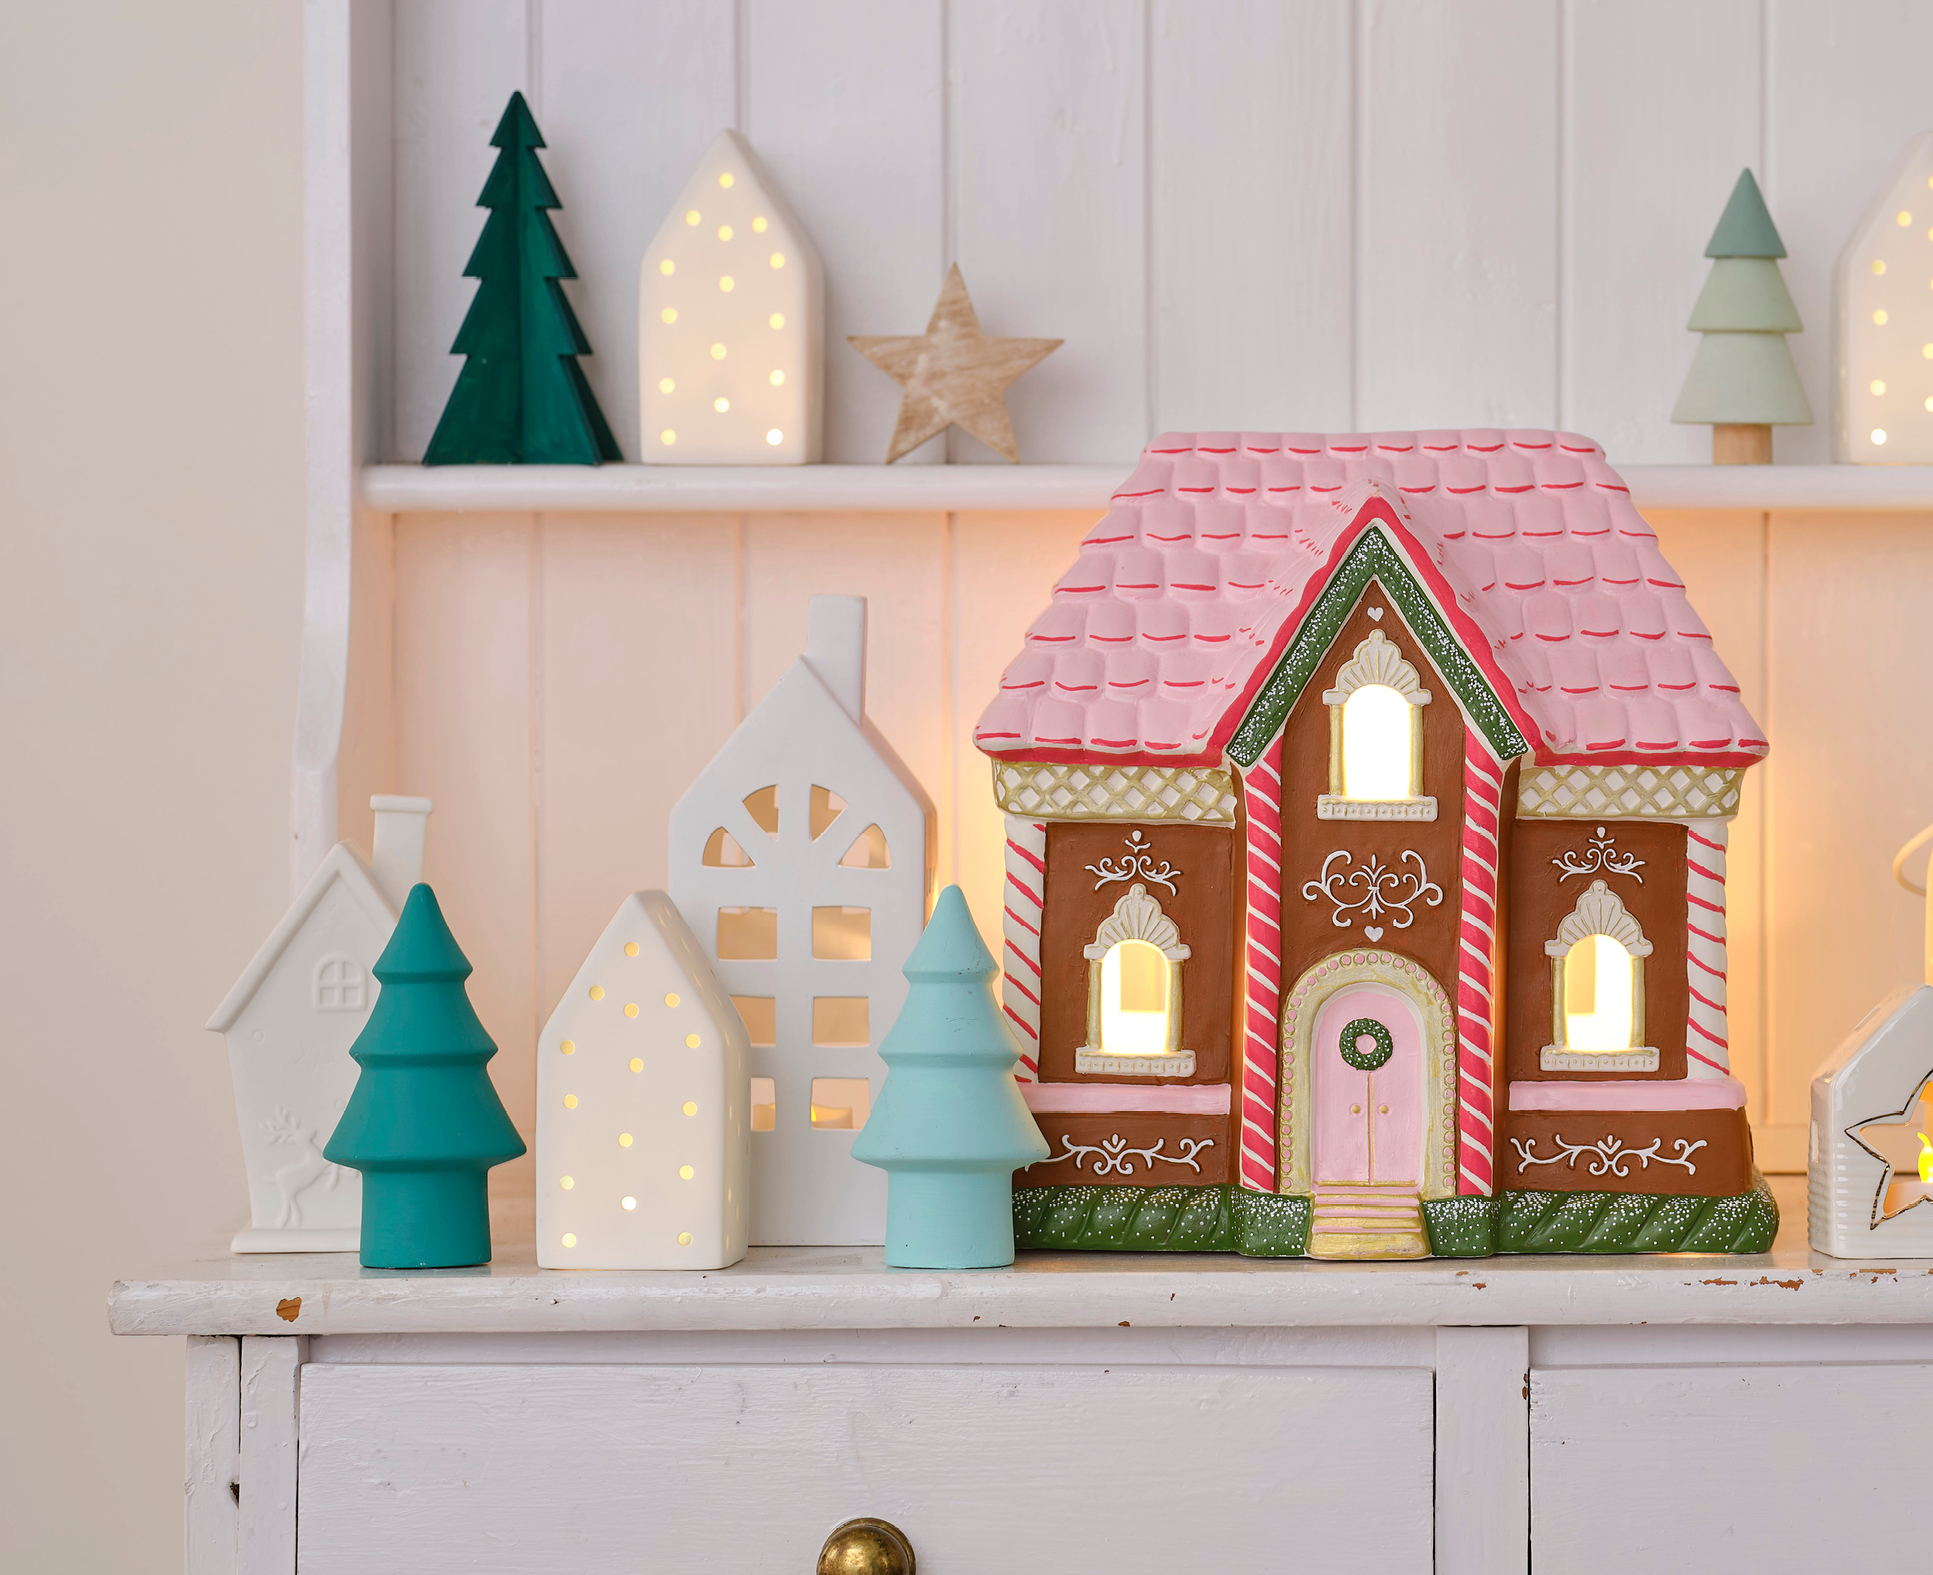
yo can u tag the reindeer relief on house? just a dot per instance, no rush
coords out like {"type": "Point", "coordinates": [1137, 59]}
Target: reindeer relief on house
{"type": "Point", "coordinates": [1366, 810]}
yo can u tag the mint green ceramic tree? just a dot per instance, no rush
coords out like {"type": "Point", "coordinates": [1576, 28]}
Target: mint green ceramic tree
{"type": "Point", "coordinates": [950, 1127]}
{"type": "Point", "coordinates": [424, 1124]}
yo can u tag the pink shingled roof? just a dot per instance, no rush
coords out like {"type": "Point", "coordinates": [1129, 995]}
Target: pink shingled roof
{"type": "Point", "coordinates": [1187, 593]}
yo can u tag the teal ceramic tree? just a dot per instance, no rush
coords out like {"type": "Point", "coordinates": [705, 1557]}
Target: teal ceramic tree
{"type": "Point", "coordinates": [424, 1124]}
{"type": "Point", "coordinates": [950, 1127]}
{"type": "Point", "coordinates": [521, 398]}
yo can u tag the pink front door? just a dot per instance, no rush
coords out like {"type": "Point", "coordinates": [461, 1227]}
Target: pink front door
{"type": "Point", "coordinates": [1368, 1123]}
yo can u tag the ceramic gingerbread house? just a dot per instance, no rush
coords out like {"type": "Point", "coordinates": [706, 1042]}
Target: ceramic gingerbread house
{"type": "Point", "coordinates": [1366, 809]}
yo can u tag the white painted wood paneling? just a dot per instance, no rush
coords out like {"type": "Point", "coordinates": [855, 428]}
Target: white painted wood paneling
{"type": "Point", "coordinates": [212, 1512]}
{"type": "Point", "coordinates": [1482, 1451]}
{"type": "Point", "coordinates": [1774, 1468]}
{"type": "Point", "coordinates": [604, 1467]}
{"type": "Point", "coordinates": [1046, 148]}
{"type": "Point", "coordinates": [271, 1370]}
{"type": "Point", "coordinates": [1456, 266]}
{"type": "Point", "coordinates": [628, 96]}
{"type": "Point", "coordinates": [1251, 239]}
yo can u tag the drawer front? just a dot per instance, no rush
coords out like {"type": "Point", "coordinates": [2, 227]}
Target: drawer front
{"type": "Point", "coordinates": [1735, 1468]}
{"type": "Point", "coordinates": [616, 1470]}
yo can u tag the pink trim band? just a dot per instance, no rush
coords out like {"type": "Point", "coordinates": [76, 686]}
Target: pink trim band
{"type": "Point", "coordinates": [1187, 1099]}
{"type": "Point", "coordinates": [1692, 1093]}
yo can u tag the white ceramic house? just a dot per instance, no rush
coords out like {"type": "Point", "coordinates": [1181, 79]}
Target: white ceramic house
{"type": "Point", "coordinates": [289, 1023]}
{"type": "Point", "coordinates": [642, 1118]}
{"type": "Point", "coordinates": [1883, 322]}
{"type": "Point", "coordinates": [802, 859]}
{"type": "Point", "coordinates": [1871, 1103]}
{"type": "Point", "coordinates": [731, 323]}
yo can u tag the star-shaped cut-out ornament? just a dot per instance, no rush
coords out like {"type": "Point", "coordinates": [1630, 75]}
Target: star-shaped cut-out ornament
{"type": "Point", "coordinates": [1896, 1141]}
{"type": "Point", "coordinates": [953, 374]}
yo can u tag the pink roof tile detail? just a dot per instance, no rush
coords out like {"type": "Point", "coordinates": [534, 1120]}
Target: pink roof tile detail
{"type": "Point", "coordinates": [1187, 592]}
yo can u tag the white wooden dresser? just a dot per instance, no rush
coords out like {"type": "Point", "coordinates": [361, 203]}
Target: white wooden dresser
{"type": "Point", "coordinates": [1077, 1413]}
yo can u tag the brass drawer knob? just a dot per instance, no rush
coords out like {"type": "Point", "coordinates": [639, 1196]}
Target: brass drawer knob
{"type": "Point", "coordinates": [867, 1547]}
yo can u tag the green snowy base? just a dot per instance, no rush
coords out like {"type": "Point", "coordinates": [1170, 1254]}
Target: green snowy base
{"type": "Point", "coordinates": [1265, 1225]}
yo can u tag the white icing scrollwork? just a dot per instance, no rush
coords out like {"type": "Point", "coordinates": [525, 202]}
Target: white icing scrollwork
{"type": "Point", "coordinates": [1609, 1155]}
{"type": "Point", "coordinates": [1113, 1155]}
{"type": "Point", "coordinates": [1138, 864]}
{"type": "Point", "coordinates": [1382, 886]}
{"type": "Point", "coordinates": [1600, 855]}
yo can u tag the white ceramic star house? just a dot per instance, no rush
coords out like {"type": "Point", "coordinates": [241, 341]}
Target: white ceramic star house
{"type": "Point", "coordinates": [1869, 1192]}
{"type": "Point", "coordinates": [731, 323]}
{"type": "Point", "coordinates": [802, 858]}
{"type": "Point", "coordinates": [289, 1023]}
{"type": "Point", "coordinates": [1883, 358]}
{"type": "Point", "coordinates": [642, 1088]}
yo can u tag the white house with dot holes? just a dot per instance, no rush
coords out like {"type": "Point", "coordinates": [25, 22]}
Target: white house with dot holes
{"type": "Point", "coordinates": [642, 1121]}
{"type": "Point", "coordinates": [289, 1022]}
{"type": "Point", "coordinates": [802, 858]}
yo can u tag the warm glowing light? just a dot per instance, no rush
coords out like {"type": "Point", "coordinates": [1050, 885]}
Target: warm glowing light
{"type": "Point", "coordinates": [630, 948]}
{"type": "Point", "coordinates": [1134, 1000]}
{"type": "Point", "coordinates": [1376, 744]}
{"type": "Point", "coordinates": [692, 216]}
{"type": "Point", "coordinates": [624, 1140]}
{"type": "Point", "coordinates": [1929, 404]}
{"type": "Point", "coordinates": [1903, 218]}
{"type": "Point", "coordinates": [724, 232]}
{"type": "Point", "coordinates": [570, 1239]}
{"type": "Point", "coordinates": [691, 1041]}
{"type": "Point", "coordinates": [671, 999]}
{"type": "Point", "coordinates": [1597, 995]}
{"type": "Point", "coordinates": [667, 437]}
{"type": "Point", "coordinates": [684, 1236]}
{"type": "Point", "coordinates": [1879, 434]}
{"type": "Point", "coordinates": [568, 1047]}
{"type": "Point", "coordinates": [725, 283]}
{"type": "Point", "coordinates": [636, 1064]}
{"type": "Point", "coordinates": [570, 1101]}
{"type": "Point", "coordinates": [566, 1182]}
{"type": "Point", "coordinates": [718, 352]}
{"type": "Point", "coordinates": [668, 315]}
{"type": "Point", "coordinates": [1926, 1157]}
{"type": "Point", "coordinates": [778, 379]}
{"type": "Point", "coordinates": [630, 1008]}
{"type": "Point", "coordinates": [597, 992]}
{"type": "Point", "coordinates": [1879, 265]}
{"type": "Point", "coordinates": [685, 1173]}
{"type": "Point", "coordinates": [691, 1107]}
{"type": "Point", "coordinates": [778, 259]}
{"type": "Point", "coordinates": [1927, 351]}
{"type": "Point", "coordinates": [667, 267]}
{"type": "Point", "coordinates": [629, 1203]}
{"type": "Point", "coordinates": [725, 180]}
{"type": "Point", "coordinates": [721, 404]}
{"type": "Point", "coordinates": [1877, 385]}
{"type": "Point", "coordinates": [775, 437]}
{"type": "Point", "coordinates": [758, 225]}
{"type": "Point", "coordinates": [1879, 317]}
{"type": "Point", "coordinates": [776, 320]}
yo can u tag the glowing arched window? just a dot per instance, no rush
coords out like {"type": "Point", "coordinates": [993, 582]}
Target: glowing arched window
{"type": "Point", "coordinates": [1134, 993]}
{"type": "Point", "coordinates": [1134, 999]}
{"type": "Point", "coordinates": [1376, 738]}
{"type": "Point", "coordinates": [1597, 989]}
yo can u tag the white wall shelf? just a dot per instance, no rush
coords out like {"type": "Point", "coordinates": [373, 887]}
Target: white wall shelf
{"type": "Point", "coordinates": [662, 489]}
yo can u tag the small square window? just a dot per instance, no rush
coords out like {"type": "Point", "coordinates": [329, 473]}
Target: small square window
{"type": "Point", "coordinates": [842, 934]}
{"type": "Point", "coordinates": [748, 934]}
{"type": "Point", "coordinates": [765, 1105]}
{"type": "Point", "coordinates": [842, 1020]}
{"type": "Point", "coordinates": [840, 1104]}
{"type": "Point", "coordinates": [761, 1019]}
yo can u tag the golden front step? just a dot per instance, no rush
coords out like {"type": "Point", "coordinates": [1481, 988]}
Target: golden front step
{"type": "Point", "coordinates": [1367, 1220]}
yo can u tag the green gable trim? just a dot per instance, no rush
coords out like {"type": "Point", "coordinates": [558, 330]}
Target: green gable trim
{"type": "Point", "coordinates": [1374, 557]}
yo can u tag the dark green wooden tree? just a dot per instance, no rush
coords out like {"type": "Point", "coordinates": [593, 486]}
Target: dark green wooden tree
{"type": "Point", "coordinates": [424, 1124]}
{"type": "Point", "coordinates": [521, 398]}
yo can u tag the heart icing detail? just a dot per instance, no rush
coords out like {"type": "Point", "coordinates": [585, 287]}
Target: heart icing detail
{"type": "Point", "coordinates": [1376, 613]}
{"type": "Point", "coordinates": [1373, 931]}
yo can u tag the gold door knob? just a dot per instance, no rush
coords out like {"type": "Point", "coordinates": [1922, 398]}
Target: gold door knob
{"type": "Point", "coordinates": [867, 1547]}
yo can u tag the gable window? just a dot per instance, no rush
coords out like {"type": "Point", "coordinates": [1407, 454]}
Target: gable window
{"type": "Point", "coordinates": [1597, 989]}
{"type": "Point", "coordinates": [1134, 993]}
{"type": "Point", "coordinates": [339, 985]}
{"type": "Point", "coordinates": [1376, 738]}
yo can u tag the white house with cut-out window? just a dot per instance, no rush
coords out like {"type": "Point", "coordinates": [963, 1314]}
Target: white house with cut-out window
{"type": "Point", "coordinates": [802, 859]}
{"type": "Point", "coordinates": [289, 1023]}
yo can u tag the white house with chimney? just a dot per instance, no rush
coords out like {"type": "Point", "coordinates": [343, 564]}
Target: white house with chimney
{"type": "Point", "coordinates": [802, 860]}
{"type": "Point", "coordinates": [289, 1023]}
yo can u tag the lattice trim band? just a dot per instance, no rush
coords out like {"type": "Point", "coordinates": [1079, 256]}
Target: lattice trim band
{"type": "Point", "coordinates": [1635, 792]}
{"type": "Point", "coordinates": [1103, 792]}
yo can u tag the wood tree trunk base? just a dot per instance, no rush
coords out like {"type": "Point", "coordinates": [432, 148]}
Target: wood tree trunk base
{"type": "Point", "coordinates": [1741, 444]}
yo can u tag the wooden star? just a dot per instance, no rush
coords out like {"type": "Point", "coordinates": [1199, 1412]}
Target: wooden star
{"type": "Point", "coordinates": [953, 374]}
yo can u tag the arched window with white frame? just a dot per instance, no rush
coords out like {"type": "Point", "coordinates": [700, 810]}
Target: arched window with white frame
{"type": "Point", "coordinates": [1597, 989]}
{"type": "Point", "coordinates": [1134, 993]}
{"type": "Point", "coordinates": [1376, 737]}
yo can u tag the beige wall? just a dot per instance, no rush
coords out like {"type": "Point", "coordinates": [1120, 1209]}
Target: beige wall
{"type": "Point", "coordinates": [150, 595]}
